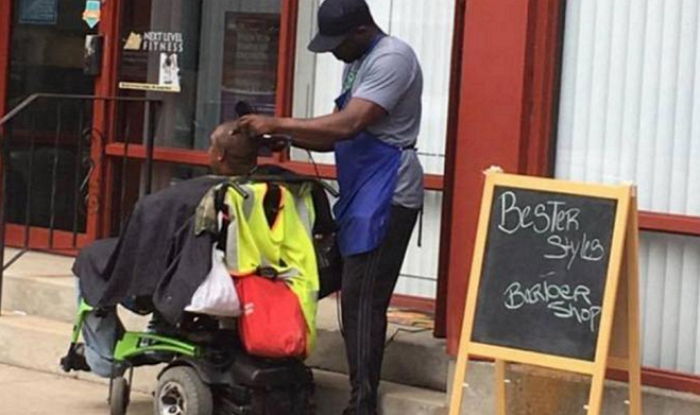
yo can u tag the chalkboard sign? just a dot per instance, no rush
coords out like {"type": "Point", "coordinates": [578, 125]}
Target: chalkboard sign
{"type": "Point", "coordinates": [554, 282]}
{"type": "Point", "coordinates": [544, 271]}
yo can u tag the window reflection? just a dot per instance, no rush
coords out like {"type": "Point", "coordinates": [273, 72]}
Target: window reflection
{"type": "Point", "coordinates": [250, 62]}
{"type": "Point", "coordinates": [199, 57]}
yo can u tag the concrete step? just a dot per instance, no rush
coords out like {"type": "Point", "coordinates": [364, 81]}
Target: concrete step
{"type": "Point", "coordinates": [38, 343]}
{"type": "Point", "coordinates": [52, 295]}
{"type": "Point", "coordinates": [40, 284]}
{"type": "Point", "coordinates": [411, 357]}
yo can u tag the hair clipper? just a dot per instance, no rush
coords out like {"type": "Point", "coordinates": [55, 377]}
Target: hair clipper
{"type": "Point", "coordinates": [268, 143]}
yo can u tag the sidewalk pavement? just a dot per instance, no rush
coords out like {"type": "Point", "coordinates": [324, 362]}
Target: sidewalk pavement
{"type": "Point", "coordinates": [29, 392]}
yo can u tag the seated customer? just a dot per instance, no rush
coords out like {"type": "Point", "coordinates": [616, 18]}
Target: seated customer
{"type": "Point", "coordinates": [159, 261]}
{"type": "Point", "coordinates": [127, 270]}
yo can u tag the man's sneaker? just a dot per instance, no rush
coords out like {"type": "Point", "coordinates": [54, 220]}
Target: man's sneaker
{"type": "Point", "coordinates": [75, 359]}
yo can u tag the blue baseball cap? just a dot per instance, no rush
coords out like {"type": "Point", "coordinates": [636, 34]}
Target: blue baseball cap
{"type": "Point", "coordinates": [336, 19]}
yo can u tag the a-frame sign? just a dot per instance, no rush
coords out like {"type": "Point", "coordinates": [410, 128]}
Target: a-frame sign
{"type": "Point", "coordinates": [554, 283]}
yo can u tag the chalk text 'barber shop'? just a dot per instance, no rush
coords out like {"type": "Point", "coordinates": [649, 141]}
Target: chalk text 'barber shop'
{"type": "Point", "coordinates": [563, 300]}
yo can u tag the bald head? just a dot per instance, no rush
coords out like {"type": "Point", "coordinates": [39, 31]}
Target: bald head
{"type": "Point", "coordinates": [230, 152]}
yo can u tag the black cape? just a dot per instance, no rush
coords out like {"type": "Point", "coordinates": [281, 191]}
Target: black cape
{"type": "Point", "coordinates": [115, 270]}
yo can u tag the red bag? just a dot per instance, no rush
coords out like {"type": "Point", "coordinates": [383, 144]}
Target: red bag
{"type": "Point", "coordinates": [272, 323]}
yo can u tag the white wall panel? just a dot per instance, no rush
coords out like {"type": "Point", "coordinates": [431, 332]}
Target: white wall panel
{"type": "Point", "coordinates": [670, 293]}
{"type": "Point", "coordinates": [329, 75]}
{"type": "Point", "coordinates": [419, 272]}
{"type": "Point", "coordinates": [428, 27]}
{"type": "Point", "coordinates": [630, 100]}
{"type": "Point", "coordinates": [630, 112]}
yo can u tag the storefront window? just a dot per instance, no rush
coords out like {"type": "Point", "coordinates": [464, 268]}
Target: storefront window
{"type": "Point", "coordinates": [629, 102]}
{"type": "Point", "coordinates": [629, 114]}
{"type": "Point", "coordinates": [47, 49]}
{"type": "Point", "coordinates": [250, 62]}
{"type": "Point", "coordinates": [49, 156]}
{"type": "Point", "coordinates": [669, 287]}
{"type": "Point", "coordinates": [199, 57]}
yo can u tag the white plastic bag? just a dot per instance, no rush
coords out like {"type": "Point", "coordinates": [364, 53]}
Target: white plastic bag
{"type": "Point", "coordinates": [217, 295]}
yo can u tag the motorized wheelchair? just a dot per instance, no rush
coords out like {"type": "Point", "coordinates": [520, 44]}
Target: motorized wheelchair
{"type": "Point", "coordinates": [206, 371]}
{"type": "Point", "coordinates": [206, 368]}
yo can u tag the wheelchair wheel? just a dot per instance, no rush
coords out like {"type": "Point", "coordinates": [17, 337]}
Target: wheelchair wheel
{"type": "Point", "coordinates": [180, 391]}
{"type": "Point", "coordinates": [119, 396]}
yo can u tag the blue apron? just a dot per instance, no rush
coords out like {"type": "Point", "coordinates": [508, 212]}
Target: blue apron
{"type": "Point", "coordinates": [367, 175]}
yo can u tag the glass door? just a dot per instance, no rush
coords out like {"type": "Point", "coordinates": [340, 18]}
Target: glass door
{"type": "Point", "coordinates": [49, 154]}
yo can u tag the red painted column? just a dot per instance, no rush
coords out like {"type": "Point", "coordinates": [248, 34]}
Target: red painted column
{"type": "Point", "coordinates": [285, 63]}
{"type": "Point", "coordinates": [285, 60]}
{"type": "Point", "coordinates": [508, 99]}
{"type": "Point", "coordinates": [491, 127]}
{"type": "Point", "coordinates": [5, 29]}
{"type": "Point", "coordinates": [103, 119]}
{"type": "Point", "coordinates": [546, 37]}
{"type": "Point", "coordinates": [441, 310]}
{"type": "Point", "coordinates": [5, 41]}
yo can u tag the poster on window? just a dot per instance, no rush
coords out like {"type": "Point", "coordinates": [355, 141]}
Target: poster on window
{"type": "Point", "coordinates": [151, 61]}
{"type": "Point", "coordinates": [38, 12]}
{"type": "Point", "coordinates": [251, 43]}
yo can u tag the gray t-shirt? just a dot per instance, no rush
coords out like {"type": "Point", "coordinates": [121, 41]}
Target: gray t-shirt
{"type": "Point", "coordinates": [390, 76]}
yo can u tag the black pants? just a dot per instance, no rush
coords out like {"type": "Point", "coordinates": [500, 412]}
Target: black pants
{"type": "Point", "coordinates": [368, 283]}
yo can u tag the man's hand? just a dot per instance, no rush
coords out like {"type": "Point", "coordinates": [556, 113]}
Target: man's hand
{"type": "Point", "coordinates": [255, 125]}
{"type": "Point", "coordinates": [319, 133]}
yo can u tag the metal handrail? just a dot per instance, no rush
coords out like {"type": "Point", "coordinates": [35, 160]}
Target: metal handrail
{"type": "Point", "coordinates": [149, 138]}
{"type": "Point", "coordinates": [30, 99]}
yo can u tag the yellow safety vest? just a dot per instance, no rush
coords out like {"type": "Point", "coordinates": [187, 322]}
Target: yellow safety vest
{"type": "Point", "coordinates": [286, 246]}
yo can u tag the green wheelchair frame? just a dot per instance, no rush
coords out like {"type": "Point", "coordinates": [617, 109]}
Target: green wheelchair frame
{"type": "Point", "coordinates": [128, 349]}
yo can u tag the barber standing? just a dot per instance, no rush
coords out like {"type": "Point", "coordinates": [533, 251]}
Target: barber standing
{"type": "Point", "coordinates": [373, 133]}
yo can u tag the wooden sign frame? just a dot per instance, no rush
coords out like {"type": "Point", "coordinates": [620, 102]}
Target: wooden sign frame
{"type": "Point", "coordinates": [620, 305]}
